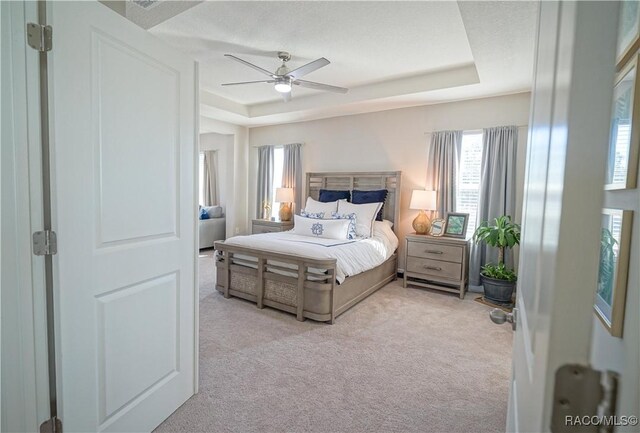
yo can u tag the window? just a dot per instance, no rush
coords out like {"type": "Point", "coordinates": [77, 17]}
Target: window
{"type": "Point", "coordinates": [201, 179]}
{"type": "Point", "coordinates": [468, 188]}
{"type": "Point", "coordinates": [621, 155]}
{"type": "Point", "coordinates": [278, 163]}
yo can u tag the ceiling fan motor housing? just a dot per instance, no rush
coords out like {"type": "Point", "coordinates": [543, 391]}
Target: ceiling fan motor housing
{"type": "Point", "coordinates": [282, 70]}
{"type": "Point", "coordinates": [284, 56]}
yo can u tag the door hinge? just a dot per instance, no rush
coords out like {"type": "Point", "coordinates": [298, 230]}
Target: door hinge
{"type": "Point", "coordinates": [584, 400]}
{"type": "Point", "coordinates": [52, 425]}
{"type": "Point", "coordinates": [40, 37]}
{"type": "Point", "coordinates": [45, 243]}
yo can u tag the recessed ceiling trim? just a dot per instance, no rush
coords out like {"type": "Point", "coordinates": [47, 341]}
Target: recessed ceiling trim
{"type": "Point", "coordinates": [212, 100]}
{"type": "Point", "coordinates": [443, 79]}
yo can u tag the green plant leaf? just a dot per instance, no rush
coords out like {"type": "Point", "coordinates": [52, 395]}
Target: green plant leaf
{"type": "Point", "coordinates": [502, 233]}
{"type": "Point", "coordinates": [499, 272]}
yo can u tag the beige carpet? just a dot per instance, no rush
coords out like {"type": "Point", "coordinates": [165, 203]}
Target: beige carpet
{"type": "Point", "coordinates": [403, 360]}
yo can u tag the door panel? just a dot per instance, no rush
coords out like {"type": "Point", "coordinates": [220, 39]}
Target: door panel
{"type": "Point", "coordinates": [124, 159]}
{"type": "Point", "coordinates": [564, 182]}
{"type": "Point", "coordinates": [141, 133]}
{"type": "Point", "coordinates": [120, 336]}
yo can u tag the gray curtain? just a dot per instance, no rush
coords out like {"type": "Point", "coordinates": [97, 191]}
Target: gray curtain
{"type": "Point", "coordinates": [292, 173]}
{"type": "Point", "coordinates": [265, 178]}
{"type": "Point", "coordinates": [497, 191]}
{"type": "Point", "coordinates": [442, 168]}
{"type": "Point", "coordinates": [211, 196]}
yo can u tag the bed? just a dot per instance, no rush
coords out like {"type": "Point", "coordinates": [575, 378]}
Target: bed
{"type": "Point", "coordinates": [309, 285]}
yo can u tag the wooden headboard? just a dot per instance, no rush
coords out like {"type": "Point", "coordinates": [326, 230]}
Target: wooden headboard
{"type": "Point", "coordinates": [364, 181]}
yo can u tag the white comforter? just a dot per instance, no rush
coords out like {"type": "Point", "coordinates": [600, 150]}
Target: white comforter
{"type": "Point", "coordinates": [352, 257]}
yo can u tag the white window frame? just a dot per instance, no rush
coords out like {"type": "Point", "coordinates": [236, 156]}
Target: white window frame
{"type": "Point", "coordinates": [460, 186]}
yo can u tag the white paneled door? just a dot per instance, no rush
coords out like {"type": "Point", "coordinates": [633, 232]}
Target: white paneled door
{"type": "Point", "coordinates": [123, 113]}
{"type": "Point", "coordinates": [564, 181]}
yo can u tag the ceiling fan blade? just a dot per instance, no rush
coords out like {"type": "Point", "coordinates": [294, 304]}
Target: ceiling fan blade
{"type": "Point", "coordinates": [320, 86]}
{"type": "Point", "coordinates": [286, 97]}
{"type": "Point", "coordinates": [249, 82]}
{"type": "Point", "coordinates": [309, 67]}
{"type": "Point", "coordinates": [251, 65]}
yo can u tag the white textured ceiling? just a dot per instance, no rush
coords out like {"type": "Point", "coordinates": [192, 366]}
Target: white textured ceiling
{"type": "Point", "coordinates": [390, 54]}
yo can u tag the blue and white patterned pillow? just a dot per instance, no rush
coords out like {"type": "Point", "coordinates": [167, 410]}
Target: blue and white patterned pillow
{"type": "Point", "coordinates": [316, 215]}
{"type": "Point", "coordinates": [352, 222]}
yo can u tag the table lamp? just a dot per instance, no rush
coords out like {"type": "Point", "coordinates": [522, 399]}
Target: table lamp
{"type": "Point", "coordinates": [284, 196]}
{"type": "Point", "coordinates": [422, 200]}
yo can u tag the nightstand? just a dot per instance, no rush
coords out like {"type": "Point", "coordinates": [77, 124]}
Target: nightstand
{"type": "Point", "coordinates": [268, 226]}
{"type": "Point", "coordinates": [440, 263]}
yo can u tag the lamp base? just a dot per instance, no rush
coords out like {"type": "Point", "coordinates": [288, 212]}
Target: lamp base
{"type": "Point", "coordinates": [421, 224]}
{"type": "Point", "coordinates": [285, 212]}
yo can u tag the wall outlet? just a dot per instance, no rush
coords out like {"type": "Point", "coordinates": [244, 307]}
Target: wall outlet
{"type": "Point", "coordinates": [237, 230]}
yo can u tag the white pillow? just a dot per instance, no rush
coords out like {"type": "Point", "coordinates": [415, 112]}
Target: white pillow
{"type": "Point", "coordinates": [329, 229]}
{"type": "Point", "coordinates": [365, 215]}
{"type": "Point", "coordinates": [315, 206]}
{"type": "Point", "coordinates": [214, 211]}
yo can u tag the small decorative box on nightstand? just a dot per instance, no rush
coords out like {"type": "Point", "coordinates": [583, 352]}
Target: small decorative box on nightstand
{"type": "Point", "coordinates": [268, 226]}
{"type": "Point", "coordinates": [440, 263]}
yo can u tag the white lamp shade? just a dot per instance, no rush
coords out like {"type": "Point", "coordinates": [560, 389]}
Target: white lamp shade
{"type": "Point", "coordinates": [423, 200]}
{"type": "Point", "coordinates": [284, 195]}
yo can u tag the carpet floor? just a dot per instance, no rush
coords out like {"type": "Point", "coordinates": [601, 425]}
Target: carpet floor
{"type": "Point", "coordinates": [403, 360]}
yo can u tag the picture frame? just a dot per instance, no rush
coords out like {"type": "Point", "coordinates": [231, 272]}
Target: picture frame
{"type": "Point", "coordinates": [456, 226]}
{"type": "Point", "coordinates": [613, 267]}
{"type": "Point", "coordinates": [628, 32]}
{"type": "Point", "coordinates": [624, 133]}
{"type": "Point", "coordinates": [437, 227]}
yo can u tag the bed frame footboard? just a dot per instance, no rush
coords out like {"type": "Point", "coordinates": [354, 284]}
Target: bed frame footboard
{"type": "Point", "coordinates": [293, 283]}
{"type": "Point", "coordinates": [281, 281]}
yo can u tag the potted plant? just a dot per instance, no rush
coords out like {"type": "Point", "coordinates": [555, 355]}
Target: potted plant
{"type": "Point", "coordinates": [498, 280]}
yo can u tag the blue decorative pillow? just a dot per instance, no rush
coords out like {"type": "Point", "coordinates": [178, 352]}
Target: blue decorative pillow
{"type": "Point", "coordinates": [329, 195]}
{"type": "Point", "coordinates": [375, 196]}
{"type": "Point", "coordinates": [352, 222]}
{"type": "Point", "coordinates": [203, 214]}
{"type": "Point", "coordinates": [316, 215]}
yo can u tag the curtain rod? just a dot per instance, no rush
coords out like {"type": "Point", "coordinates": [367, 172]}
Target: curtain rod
{"type": "Point", "coordinates": [277, 145]}
{"type": "Point", "coordinates": [471, 130]}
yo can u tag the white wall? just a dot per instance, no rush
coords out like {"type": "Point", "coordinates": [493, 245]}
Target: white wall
{"type": "Point", "coordinates": [390, 140]}
{"type": "Point", "coordinates": [622, 355]}
{"type": "Point", "coordinates": [223, 144]}
{"type": "Point", "coordinates": [236, 183]}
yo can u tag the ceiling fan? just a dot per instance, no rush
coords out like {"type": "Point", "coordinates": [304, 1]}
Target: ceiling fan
{"type": "Point", "coordinates": [284, 79]}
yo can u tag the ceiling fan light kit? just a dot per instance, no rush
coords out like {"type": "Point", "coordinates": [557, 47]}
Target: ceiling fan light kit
{"type": "Point", "coordinates": [284, 79]}
{"type": "Point", "coordinates": [283, 85]}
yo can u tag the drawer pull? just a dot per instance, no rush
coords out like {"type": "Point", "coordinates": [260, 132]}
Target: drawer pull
{"type": "Point", "coordinates": [434, 252]}
{"type": "Point", "coordinates": [433, 268]}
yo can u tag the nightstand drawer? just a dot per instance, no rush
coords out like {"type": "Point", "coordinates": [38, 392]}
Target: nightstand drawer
{"type": "Point", "coordinates": [436, 268]}
{"type": "Point", "coordinates": [270, 226]}
{"type": "Point", "coordinates": [264, 229]}
{"type": "Point", "coordinates": [435, 251]}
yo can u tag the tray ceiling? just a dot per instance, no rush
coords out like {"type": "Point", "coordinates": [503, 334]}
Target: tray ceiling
{"type": "Point", "coordinates": [404, 53]}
